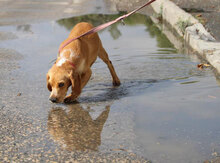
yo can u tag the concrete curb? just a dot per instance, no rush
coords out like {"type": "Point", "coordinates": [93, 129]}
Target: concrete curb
{"type": "Point", "coordinates": [194, 35]}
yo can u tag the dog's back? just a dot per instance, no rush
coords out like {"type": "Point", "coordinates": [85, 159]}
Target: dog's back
{"type": "Point", "coordinates": [88, 46]}
{"type": "Point", "coordinates": [75, 60]}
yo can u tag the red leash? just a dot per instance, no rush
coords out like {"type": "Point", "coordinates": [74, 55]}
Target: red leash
{"type": "Point", "coordinates": [102, 26]}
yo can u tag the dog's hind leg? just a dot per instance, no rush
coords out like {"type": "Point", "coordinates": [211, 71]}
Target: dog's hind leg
{"type": "Point", "coordinates": [104, 56]}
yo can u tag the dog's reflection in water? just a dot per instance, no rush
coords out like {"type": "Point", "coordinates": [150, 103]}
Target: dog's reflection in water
{"type": "Point", "coordinates": [75, 129]}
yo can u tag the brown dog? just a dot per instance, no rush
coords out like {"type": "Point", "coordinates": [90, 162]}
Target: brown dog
{"type": "Point", "coordinates": [73, 65]}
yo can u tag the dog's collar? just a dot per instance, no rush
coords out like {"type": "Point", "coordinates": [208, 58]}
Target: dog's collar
{"type": "Point", "coordinates": [72, 64]}
{"type": "Point", "coordinates": [64, 60]}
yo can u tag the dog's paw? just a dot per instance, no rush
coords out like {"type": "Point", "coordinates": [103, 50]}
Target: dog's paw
{"type": "Point", "coordinates": [116, 83]}
{"type": "Point", "coordinates": [70, 99]}
{"type": "Point", "coordinates": [67, 100]}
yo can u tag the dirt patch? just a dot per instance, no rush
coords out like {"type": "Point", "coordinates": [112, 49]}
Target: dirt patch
{"type": "Point", "coordinates": [9, 58]}
{"type": "Point", "coordinates": [7, 36]}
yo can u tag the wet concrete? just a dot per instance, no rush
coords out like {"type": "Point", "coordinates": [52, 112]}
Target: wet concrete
{"type": "Point", "coordinates": [32, 11]}
{"type": "Point", "coordinates": [165, 109]}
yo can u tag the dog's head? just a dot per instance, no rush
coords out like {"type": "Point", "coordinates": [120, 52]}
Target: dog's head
{"type": "Point", "coordinates": [58, 82]}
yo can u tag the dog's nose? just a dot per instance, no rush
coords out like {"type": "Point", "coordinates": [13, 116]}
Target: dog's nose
{"type": "Point", "coordinates": [53, 99]}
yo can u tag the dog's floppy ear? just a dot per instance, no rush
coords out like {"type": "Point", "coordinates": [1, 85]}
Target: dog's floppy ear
{"type": "Point", "coordinates": [76, 82]}
{"type": "Point", "coordinates": [48, 84]}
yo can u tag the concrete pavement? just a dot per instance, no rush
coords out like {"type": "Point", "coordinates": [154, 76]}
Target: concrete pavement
{"type": "Point", "coordinates": [208, 12]}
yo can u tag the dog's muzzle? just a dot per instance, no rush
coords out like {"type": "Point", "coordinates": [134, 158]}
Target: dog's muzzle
{"type": "Point", "coordinates": [53, 99]}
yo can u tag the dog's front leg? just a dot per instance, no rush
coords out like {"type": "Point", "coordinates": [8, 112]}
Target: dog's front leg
{"type": "Point", "coordinates": [76, 88]}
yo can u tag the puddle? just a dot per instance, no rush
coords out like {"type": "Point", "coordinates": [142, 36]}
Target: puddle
{"type": "Point", "coordinates": [166, 109]}
{"type": "Point", "coordinates": [76, 130]}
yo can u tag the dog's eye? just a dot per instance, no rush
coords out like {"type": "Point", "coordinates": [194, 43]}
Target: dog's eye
{"type": "Point", "coordinates": [61, 85]}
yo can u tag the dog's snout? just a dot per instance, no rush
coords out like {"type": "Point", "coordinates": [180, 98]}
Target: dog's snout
{"type": "Point", "coordinates": [53, 99]}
